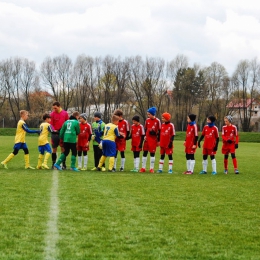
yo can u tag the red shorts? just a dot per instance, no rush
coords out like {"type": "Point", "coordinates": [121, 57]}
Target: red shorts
{"type": "Point", "coordinates": [166, 150]}
{"type": "Point", "coordinates": [150, 146]}
{"type": "Point", "coordinates": [82, 148]}
{"type": "Point", "coordinates": [189, 150]}
{"type": "Point", "coordinates": [226, 149]}
{"type": "Point", "coordinates": [136, 149]}
{"type": "Point", "coordinates": [120, 144]}
{"type": "Point", "coordinates": [208, 151]}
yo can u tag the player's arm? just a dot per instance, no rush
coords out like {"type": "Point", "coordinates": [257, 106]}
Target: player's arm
{"type": "Point", "coordinates": [200, 139]}
{"type": "Point", "coordinates": [116, 131]}
{"type": "Point", "coordinates": [50, 129]}
{"type": "Point", "coordinates": [127, 135]}
{"type": "Point", "coordinates": [237, 139]}
{"type": "Point", "coordinates": [77, 129]}
{"type": "Point", "coordinates": [62, 130]}
{"type": "Point", "coordinates": [158, 135]}
{"type": "Point", "coordinates": [28, 130]}
{"type": "Point", "coordinates": [90, 133]}
{"type": "Point", "coordinates": [195, 137]}
{"type": "Point", "coordinates": [216, 145]}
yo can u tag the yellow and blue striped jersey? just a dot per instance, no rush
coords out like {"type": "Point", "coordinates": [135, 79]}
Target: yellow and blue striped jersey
{"type": "Point", "coordinates": [21, 131]}
{"type": "Point", "coordinates": [45, 129]}
{"type": "Point", "coordinates": [111, 132]}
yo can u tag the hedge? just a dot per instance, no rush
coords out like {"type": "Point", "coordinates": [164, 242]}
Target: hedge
{"type": "Point", "coordinates": [243, 136]}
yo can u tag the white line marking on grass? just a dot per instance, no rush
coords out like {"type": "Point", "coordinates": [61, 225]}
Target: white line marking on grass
{"type": "Point", "coordinates": [52, 236]}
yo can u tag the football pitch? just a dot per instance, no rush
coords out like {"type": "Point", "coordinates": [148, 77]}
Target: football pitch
{"type": "Point", "coordinates": [46, 214]}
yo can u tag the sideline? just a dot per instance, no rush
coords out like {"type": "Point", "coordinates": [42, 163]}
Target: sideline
{"type": "Point", "coordinates": [52, 234]}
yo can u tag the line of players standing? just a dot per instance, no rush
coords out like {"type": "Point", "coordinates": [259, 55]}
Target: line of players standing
{"type": "Point", "coordinates": [156, 134]}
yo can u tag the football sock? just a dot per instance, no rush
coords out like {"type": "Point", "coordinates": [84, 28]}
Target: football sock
{"type": "Point", "coordinates": [73, 161]}
{"type": "Point", "coordinates": [111, 163]}
{"type": "Point", "coordinates": [170, 164]}
{"type": "Point", "coordinates": [192, 164]}
{"type": "Point", "coordinates": [79, 161]}
{"type": "Point", "coordinates": [214, 165]}
{"type": "Point", "coordinates": [85, 161]}
{"type": "Point", "coordinates": [8, 158]}
{"type": "Point", "coordinates": [40, 157]}
{"type": "Point", "coordinates": [115, 161]}
{"type": "Point", "coordinates": [47, 156]}
{"type": "Point", "coordinates": [204, 165]}
{"type": "Point", "coordinates": [161, 162]}
{"type": "Point", "coordinates": [144, 160]}
{"type": "Point", "coordinates": [123, 163]}
{"type": "Point", "coordinates": [137, 162]}
{"type": "Point", "coordinates": [101, 161]}
{"type": "Point", "coordinates": [234, 162]}
{"type": "Point", "coordinates": [152, 161]}
{"type": "Point", "coordinates": [225, 163]}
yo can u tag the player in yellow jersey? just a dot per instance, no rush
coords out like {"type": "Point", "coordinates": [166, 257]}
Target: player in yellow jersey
{"type": "Point", "coordinates": [43, 143]}
{"type": "Point", "coordinates": [108, 143]}
{"type": "Point", "coordinates": [19, 141]}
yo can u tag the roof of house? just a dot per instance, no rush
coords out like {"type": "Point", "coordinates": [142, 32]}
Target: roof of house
{"type": "Point", "coordinates": [240, 103]}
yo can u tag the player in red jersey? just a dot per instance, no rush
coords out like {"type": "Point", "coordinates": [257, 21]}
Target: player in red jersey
{"type": "Point", "coordinates": [152, 136]}
{"type": "Point", "coordinates": [84, 138]}
{"type": "Point", "coordinates": [210, 145]}
{"type": "Point", "coordinates": [167, 134]}
{"type": "Point", "coordinates": [123, 127]}
{"type": "Point", "coordinates": [230, 143]}
{"type": "Point", "coordinates": [137, 136]}
{"type": "Point", "coordinates": [191, 143]}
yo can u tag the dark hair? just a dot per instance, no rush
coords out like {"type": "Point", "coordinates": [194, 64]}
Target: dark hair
{"type": "Point", "coordinates": [75, 113]}
{"type": "Point", "coordinates": [45, 116]}
{"type": "Point", "coordinates": [114, 118]}
{"type": "Point", "coordinates": [118, 112]}
{"type": "Point", "coordinates": [56, 103]}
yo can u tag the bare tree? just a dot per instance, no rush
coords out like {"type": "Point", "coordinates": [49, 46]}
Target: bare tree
{"type": "Point", "coordinates": [83, 81]}
{"type": "Point", "coordinates": [147, 80]}
{"type": "Point", "coordinates": [57, 74]}
{"type": "Point", "coordinates": [246, 79]}
{"type": "Point", "coordinates": [29, 80]}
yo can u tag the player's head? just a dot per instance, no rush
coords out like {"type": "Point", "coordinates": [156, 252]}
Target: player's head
{"type": "Point", "coordinates": [211, 119]}
{"type": "Point", "coordinates": [228, 119]}
{"type": "Point", "coordinates": [151, 112]}
{"type": "Point", "coordinates": [115, 119]}
{"type": "Point", "coordinates": [97, 116]}
{"type": "Point", "coordinates": [119, 113]}
{"type": "Point", "coordinates": [136, 120]}
{"type": "Point", "coordinates": [83, 118]}
{"type": "Point", "coordinates": [46, 118]}
{"type": "Point", "coordinates": [56, 106]}
{"type": "Point", "coordinates": [166, 117]}
{"type": "Point", "coordinates": [76, 114]}
{"type": "Point", "coordinates": [24, 114]}
{"type": "Point", "coordinates": [191, 118]}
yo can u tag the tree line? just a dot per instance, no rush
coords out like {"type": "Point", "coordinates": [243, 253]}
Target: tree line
{"type": "Point", "coordinates": [132, 84]}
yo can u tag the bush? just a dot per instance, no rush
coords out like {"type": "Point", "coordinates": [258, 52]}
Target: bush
{"type": "Point", "coordinates": [251, 137]}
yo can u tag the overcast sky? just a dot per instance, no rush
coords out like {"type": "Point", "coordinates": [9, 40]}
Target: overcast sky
{"type": "Point", "coordinates": [225, 31]}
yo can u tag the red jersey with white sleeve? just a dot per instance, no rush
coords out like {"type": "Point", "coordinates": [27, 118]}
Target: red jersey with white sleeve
{"type": "Point", "coordinates": [152, 127]}
{"type": "Point", "coordinates": [137, 131]}
{"type": "Point", "coordinates": [210, 136]}
{"type": "Point", "coordinates": [123, 127]}
{"type": "Point", "coordinates": [84, 135]}
{"type": "Point", "coordinates": [230, 133]}
{"type": "Point", "coordinates": [166, 134]}
{"type": "Point", "coordinates": [191, 134]}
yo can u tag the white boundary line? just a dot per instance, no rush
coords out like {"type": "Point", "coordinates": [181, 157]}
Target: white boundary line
{"type": "Point", "coordinates": [52, 234]}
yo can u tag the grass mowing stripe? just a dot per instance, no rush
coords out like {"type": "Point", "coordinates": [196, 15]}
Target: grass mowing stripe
{"type": "Point", "coordinates": [52, 226]}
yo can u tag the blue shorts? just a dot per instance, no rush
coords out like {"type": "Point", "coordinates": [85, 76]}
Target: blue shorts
{"type": "Point", "coordinates": [109, 148]}
{"type": "Point", "coordinates": [19, 146]}
{"type": "Point", "coordinates": [44, 148]}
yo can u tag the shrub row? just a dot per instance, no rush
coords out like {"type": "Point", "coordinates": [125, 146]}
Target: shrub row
{"type": "Point", "coordinates": [243, 136]}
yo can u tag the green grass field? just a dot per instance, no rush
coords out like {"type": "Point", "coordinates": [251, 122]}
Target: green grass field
{"type": "Point", "coordinates": [45, 214]}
